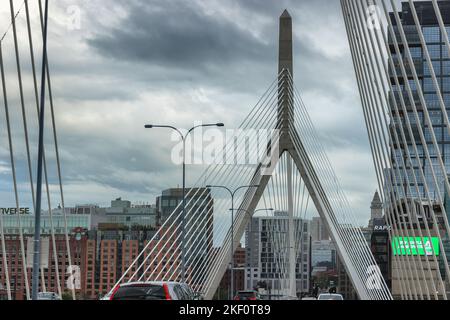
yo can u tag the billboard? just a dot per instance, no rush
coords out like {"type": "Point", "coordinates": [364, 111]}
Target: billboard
{"type": "Point", "coordinates": [415, 246]}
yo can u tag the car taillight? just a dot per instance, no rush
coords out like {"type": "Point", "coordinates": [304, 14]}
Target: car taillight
{"type": "Point", "coordinates": [252, 299]}
{"type": "Point", "coordinates": [166, 291]}
{"type": "Point", "coordinates": [114, 292]}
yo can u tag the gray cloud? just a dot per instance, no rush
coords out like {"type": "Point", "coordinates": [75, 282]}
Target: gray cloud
{"type": "Point", "coordinates": [180, 36]}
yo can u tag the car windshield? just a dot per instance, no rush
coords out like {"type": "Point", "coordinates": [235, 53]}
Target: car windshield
{"type": "Point", "coordinates": [247, 294]}
{"type": "Point", "coordinates": [141, 292]}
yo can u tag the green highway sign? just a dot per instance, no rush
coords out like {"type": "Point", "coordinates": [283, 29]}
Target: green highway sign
{"type": "Point", "coordinates": [415, 246]}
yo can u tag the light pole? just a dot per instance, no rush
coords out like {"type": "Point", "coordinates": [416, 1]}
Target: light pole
{"type": "Point", "coordinates": [259, 210]}
{"type": "Point", "coordinates": [232, 193]}
{"type": "Point", "coordinates": [183, 215]}
{"type": "Point", "coordinates": [37, 221]}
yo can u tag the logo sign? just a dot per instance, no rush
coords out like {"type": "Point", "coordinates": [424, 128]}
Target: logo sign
{"type": "Point", "coordinates": [410, 246]}
{"type": "Point", "coordinates": [73, 18]}
{"type": "Point", "coordinates": [14, 211]}
{"type": "Point", "coordinates": [379, 225]}
{"type": "Point", "coordinates": [381, 228]}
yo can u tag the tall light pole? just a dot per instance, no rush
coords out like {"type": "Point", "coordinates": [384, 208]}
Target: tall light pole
{"type": "Point", "coordinates": [183, 215]}
{"type": "Point", "coordinates": [254, 212]}
{"type": "Point", "coordinates": [232, 193]}
{"type": "Point", "coordinates": [37, 214]}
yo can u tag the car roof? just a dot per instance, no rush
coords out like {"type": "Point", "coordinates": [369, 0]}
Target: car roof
{"type": "Point", "coordinates": [155, 283]}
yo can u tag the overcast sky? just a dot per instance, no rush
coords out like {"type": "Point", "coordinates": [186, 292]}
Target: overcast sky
{"type": "Point", "coordinates": [177, 61]}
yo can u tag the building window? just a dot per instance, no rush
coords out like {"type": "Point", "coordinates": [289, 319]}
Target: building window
{"type": "Point", "coordinates": [436, 68]}
{"type": "Point", "coordinates": [432, 34]}
{"type": "Point", "coordinates": [416, 52]}
{"type": "Point", "coordinates": [445, 54]}
{"type": "Point", "coordinates": [434, 51]}
{"type": "Point", "coordinates": [428, 85]}
{"type": "Point", "coordinates": [446, 67]}
{"type": "Point", "coordinates": [446, 84]}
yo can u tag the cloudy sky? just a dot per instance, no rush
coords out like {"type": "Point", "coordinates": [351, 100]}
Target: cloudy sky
{"type": "Point", "coordinates": [117, 65]}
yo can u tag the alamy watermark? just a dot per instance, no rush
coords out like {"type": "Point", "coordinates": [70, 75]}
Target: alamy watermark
{"type": "Point", "coordinates": [73, 18]}
{"type": "Point", "coordinates": [374, 280]}
{"type": "Point", "coordinates": [73, 281]}
{"type": "Point", "coordinates": [211, 146]}
{"type": "Point", "coordinates": [373, 21]}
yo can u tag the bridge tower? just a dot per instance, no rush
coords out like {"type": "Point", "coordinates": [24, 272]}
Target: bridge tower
{"type": "Point", "coordinates": [285, 119]}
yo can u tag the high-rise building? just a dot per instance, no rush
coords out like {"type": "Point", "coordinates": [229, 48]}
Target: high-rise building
{"type": "Point", "coordinates": [319, 230]}
{"type": "Point", "coordinates": [441, 63]}
{"type": "Point", "coordinates": [323, 254]}
{"type": "Point", "coordinates": [408, 265]}
{"type": "Point", "coordinates": [381, 248]}
{"type": "Point", "coordinates": [402, 62]}
{"type": "Point", "coordinates": [268, 253]}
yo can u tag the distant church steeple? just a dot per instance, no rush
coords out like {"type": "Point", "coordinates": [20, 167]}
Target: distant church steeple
{"type": "Point", "coordinates": [376, 209]}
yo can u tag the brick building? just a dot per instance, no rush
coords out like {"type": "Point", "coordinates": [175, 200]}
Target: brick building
{"type": "Point", "coordinates": [51, 274]}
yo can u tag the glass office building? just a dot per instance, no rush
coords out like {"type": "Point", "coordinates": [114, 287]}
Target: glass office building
{"type": "Point", "coordinates": [74, 221]}
{"type": "Point", "coordinates": [441, 62]}
{"type": "Point", "coordinates": [199, 218]}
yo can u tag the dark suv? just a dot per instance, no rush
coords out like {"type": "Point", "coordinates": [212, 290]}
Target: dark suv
{"type": "Point", "coordinates": [153, 291]}
{"type": "Point", "coordinates": [247, 296]}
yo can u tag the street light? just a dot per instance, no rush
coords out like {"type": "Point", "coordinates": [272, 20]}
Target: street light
{"type": "Point", "coordinates": [232, 193]}
{"type": "Point", "coordinates": [183, 218]}
{"type": "Point", "coordinates": [259, 210]}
